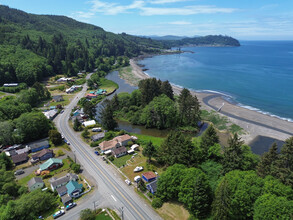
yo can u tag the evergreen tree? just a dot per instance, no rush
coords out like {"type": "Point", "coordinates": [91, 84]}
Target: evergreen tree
{"type": "Point", "coordinates": [55, 137]}
{"type": "Point", "coordinates": [77, 125]}
{"type": "Point", "coordinates": [208, 139]}
{"type": "Point", "coordinates": [115, 102]}
{"type": "Point", "coordinates": [233, 156]}
{"type": "Point", "coordinates": [166, 89]}
{"type": "Point", "coordinates": [149, 151]}
{"type": "Point", "coordinates": [264, 167]}
{"type": "Point", "coordinates": [107, 116]}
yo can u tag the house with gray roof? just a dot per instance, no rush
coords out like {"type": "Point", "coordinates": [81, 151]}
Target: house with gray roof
{"type": "Point", "coordinates": [38, 145]}
{"type": "Point", "coordinates": [98, 137]}
{"type": "Point", "coordinates": [62, 181]}
{"type": "Point", "coordinates": [35, 183]}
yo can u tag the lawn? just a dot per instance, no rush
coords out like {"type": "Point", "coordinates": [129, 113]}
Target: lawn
{"type": "Point", "coordinates": [25, 180]}
{"type": "Point", "coordinates": [108, 85]}
{"type": "Point", "coordinates": [2, 93]}
{"type": "Point", "coordinates": [103, 216]}
{"type": "Point", "coordinates": [67, 100]}
{"type": "Point", "coordinates": [119, 162]}
{"type": "Point", "coordinates": [173, 211]}
{"type": "Point", "coordinates": [144, 139]}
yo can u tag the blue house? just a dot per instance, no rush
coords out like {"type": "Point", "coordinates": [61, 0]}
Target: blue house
{"type": "Point", "coordinates": [149, 176]}
{"type": "Point", "coordinates": [39, 145]}
{"type": "Point", "coordinates": [73, 189]}
{"type": "Point", "coordinates": [152, 187]}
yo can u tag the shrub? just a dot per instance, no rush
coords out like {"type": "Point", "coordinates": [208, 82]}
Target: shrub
{"type": "Point", "coordinates": [111, 158]}
{"type": "Point", "coordinates": [157, 203]}
{"type": "Point", "coordinates": [59, 153]}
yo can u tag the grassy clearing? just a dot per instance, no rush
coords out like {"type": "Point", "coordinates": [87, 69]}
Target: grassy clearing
{"type": "Point", "coordinates": [108, 85]}
{"type": "Point", "coordinates": [236, 129]}
{"type": "Point", "coordinates": [114, 214]}
{"type": "Point", "coordinates": [170, 211]}
{"type": "Point", "coordinates": [2, 93]}
{"type": "Point", "coordinates": [67, 100]}
{"type": "Point", "coordinates": [103, 216]}
{"type": "Point", "coordinates": [144, 139]}
{"type": "Point", "coordinates": [25, 180]}
{"type": "Point", "coordinates": [119, 162]}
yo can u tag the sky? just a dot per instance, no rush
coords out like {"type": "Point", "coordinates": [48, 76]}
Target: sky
{"type": "Point", "coordinates": [242, 19]}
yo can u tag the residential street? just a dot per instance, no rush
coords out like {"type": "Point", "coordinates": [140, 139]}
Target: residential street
{"type": "Point", "coordinates": [111, 191]}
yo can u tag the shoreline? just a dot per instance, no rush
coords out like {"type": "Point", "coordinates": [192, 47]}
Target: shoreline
{"type": "Point", "coordinates": [255, 123]}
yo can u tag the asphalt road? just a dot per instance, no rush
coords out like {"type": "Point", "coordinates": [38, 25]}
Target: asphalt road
{"type": "Point", "coordinates": [111, 191]}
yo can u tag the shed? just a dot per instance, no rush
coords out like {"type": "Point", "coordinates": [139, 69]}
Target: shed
{"type": "Point", "coordinates": [58, 98]}
{"type": "Point", "coordinates": [35, 183]}
{"type": "Point", "coordinates": [38, 145]}
{"type": "Point", "coordinates": [98, 137]}
{"type": "Point", "coordinates": [134, 146]}
{"type": "Point", "coordinates": [89, 123]}
{"type": "Point", "coordinates": [149, 176]}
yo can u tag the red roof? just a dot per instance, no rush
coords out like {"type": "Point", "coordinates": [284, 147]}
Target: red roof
{"type": "Point", "coordinates": [91, 95]}
{"type": "Point", "coordinates": [149, 175]}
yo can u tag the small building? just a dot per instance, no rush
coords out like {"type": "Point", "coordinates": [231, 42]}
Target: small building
{"type": "Point", "coordinates": [134, 147]}
{"type": "Point", "coordinates": [35, 183]}
{"type": "Point", "coordinates": [38, 145]}
{"type": "Point", "coordinates": [44, 154]}
{"type": "Point", "coordinates": [66, 199]}
{"type": "Point", "coordinates": [123, 139]}
{"type": "Point", "coordinates": [149, 176]}
{"type": "Point", "coordinates": [62, 181]}
{"type": "Point", "coordinates": [51, 164]}
{"type": "Point", "coordinates": [10, 152]}
{"type": "Point", "coordinates": [23, 150]}
{"type": "Point", "coordinates": [20, 158]}
{"type": "Point", "coordinates": [51, 114]}
{"type": "Point", "coordinates": [57, 98]}
{"type": "Point", "coordinates": [152, 187]}
{"type": "Point", "coordinates": [79, 74]}
{"type": "Point", "coordinates": [98, 137]}
{"type": "Point", "coordinates": [74, 189]}
{"type": "Point", "coordinates": [101, 92]}
{"type": "Point", "coordinates": [91, 96]}
{"type": "Point", "coordinates": [108, 145]}
{"type": "Point", "coordinates": [89, 123]}
{"type": "Point", "coordinates": [119, 152]}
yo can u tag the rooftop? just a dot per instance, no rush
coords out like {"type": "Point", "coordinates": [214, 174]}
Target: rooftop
{"type": "Point", "coordinates": [64, 179]}
{"type": "Point", "coordinates": [149, 175]}
{"type": "Point", "coordinates": [119, 150]}
{"type": "Point", "coordinates": [19, 158]}
{"type": "Point", "coordinates": [122, 138]}
{"type": "Point", "coordinates": [73, 185]}
{"type": "Point", "coordinates": [50, 162]}
{"type": "Point", "coordinates": [106, 145]}
{"type": "Point", "coordinates": [34, 180]}
{"type": "Point", "coordinates": [42, 153]}
{"type": "Point", "coordinates": [38, 144]}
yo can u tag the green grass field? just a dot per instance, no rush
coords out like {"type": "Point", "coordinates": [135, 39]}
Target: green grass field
{"type": "Point", "coordinates": [108, 85]}
{"type": "Point", "coordinates": [121, 160]}
{"type": "Point", "coordinates": [144, 139]}
{"type": "Point", "coordinates": [103, 216]}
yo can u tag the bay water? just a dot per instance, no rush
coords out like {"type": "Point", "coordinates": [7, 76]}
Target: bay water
{"type": "Point", "coordinates": [257, 75]}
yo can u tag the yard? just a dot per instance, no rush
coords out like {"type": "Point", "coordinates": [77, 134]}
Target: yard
{"type": "Point", "coordinates": [119, 162]}
{"type": "Point", "coordinates": [108, 85]}
{"type": "Point", "coordinates": [144, 139]}
{"type": "Point", "coordinates": [103, 216]}
{"type": "Point", "coordinates": [170, 211]}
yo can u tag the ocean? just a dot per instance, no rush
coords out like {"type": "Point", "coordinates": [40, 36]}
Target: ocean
{"type": "Point", "coordinates": [257, 75]}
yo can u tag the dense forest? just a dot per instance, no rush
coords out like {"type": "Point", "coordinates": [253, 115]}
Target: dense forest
{"type": "Point", "coordinates": [36, 46]}
{"type": "Point", "coordinates": [210, 40]}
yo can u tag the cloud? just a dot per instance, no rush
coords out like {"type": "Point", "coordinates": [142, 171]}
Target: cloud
{"type": "Point", "coordinates": [179, 22]}
{"type": "Point", "coordinates": [269, 7]}
{"type": "Point", "coordinates": [82, 15]}
{"type": "Point", "coordinates": [159, 2]}
{"type": "Point", "coordinates": [140, 6]}
{"type": "Point", "coordinates": [187, 10]}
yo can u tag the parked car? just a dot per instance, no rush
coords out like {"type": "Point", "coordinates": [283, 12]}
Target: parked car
{"type": "Point", "coordinates": [70, 206]}
{"type": "Point", "coordinates": [138, 169]}
{"type": "Point", "coordinates": [137, 179]}
{"type": "Point", "coordinates": [128, 182]}
{"type": "Point", "coordinates": [97, 153]}
{"type": "Point", "coordinates": [18, 172]}
{"type": "Point", "coordinates": [61, 111]}
{"type": "Point", "coordinates": [58, 214]}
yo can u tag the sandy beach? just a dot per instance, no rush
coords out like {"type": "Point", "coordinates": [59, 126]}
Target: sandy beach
{"type": "Point", "coordinates": [254, 123]}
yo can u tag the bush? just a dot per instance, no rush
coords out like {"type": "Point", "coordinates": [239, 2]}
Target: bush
{"type": "Point", "coordinates": [150, 195]}
{"type": "Point", "coordinates": [111, 158]}
{"type": "Point", "coordinates": [75, 167]}
{"type": "Point", "coordinates": [157, 203]}
{"type": "Point", "coordinates": [59, 153]}
{"type": "Point", "coordinates": [130, 143]}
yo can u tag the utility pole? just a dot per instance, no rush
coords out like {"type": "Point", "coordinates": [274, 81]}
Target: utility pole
{"type": "Point", "coordinates": [74, 156]}
{"type": "Point", "coordinates": [122, 213]}
{"type": "Point", "coordinates": [94, 206]}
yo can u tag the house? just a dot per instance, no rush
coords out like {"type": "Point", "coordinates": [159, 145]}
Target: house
{"type": "Point", "coordinates": [78, 112]}
{"type": "Point", "coordinates": [62, 181]}
{"type": "Point", "coordinates": [89, 123]}
{"type": "Point", "coordinates": [51, 114]}
{"type": "Point", "coordinates": [23, 150]}
{"type": "Point", "coordinates": [44, 154]}
{"type": "Point", "coordinates": [101, 92]}
{"type": "Point", "coordinates": [63, 79]}
{"type": "Point", "coordinates": [91, 96]}
{"type": "Point", "coordinates": [51, 164]}
{"type": "Point", "coordinates": [73, 189]}
{"type": "Point", "coordinates": [35, 183]}
{"type": "Point", "coordinates": [61, 190]}
{"type": "Point", "coordinates": [119, 152]}
{"type": "Point", "coordinates": [38, 145]}
{"type": "Point", "coordinates": [98, 137]}
{"type": "Point", "coordinates": [79, 74]}
{"type": "Point", "coordinates": [66, 199]}
{"type": "Point", "coordinates": [152, 187]}
{"type": "Point", "coordinates": [149, 176]}
{"type": "Point", "coordinates": [19, 158]}
{"type": "Point", "coordinates": [57, 98]}
{"type": "Point", "coordinates": [108, 145]}
{"type": "Point", "coordinates": [123, 139]}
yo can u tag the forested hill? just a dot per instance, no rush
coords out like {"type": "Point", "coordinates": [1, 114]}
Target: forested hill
{"type": "Point", "coordinates": [34, 46]}
{"type": "Point", "coordinates": [210, 40]}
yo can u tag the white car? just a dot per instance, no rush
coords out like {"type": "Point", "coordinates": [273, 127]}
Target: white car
{"type": "Point", "coordinates": [137, 179]}
{"type": "Point", "coordinates": [127, 181]}
{"type": "Point", "coordinates": [58, 214]}
{"type": "Point", "coordinates": [138, 169]}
